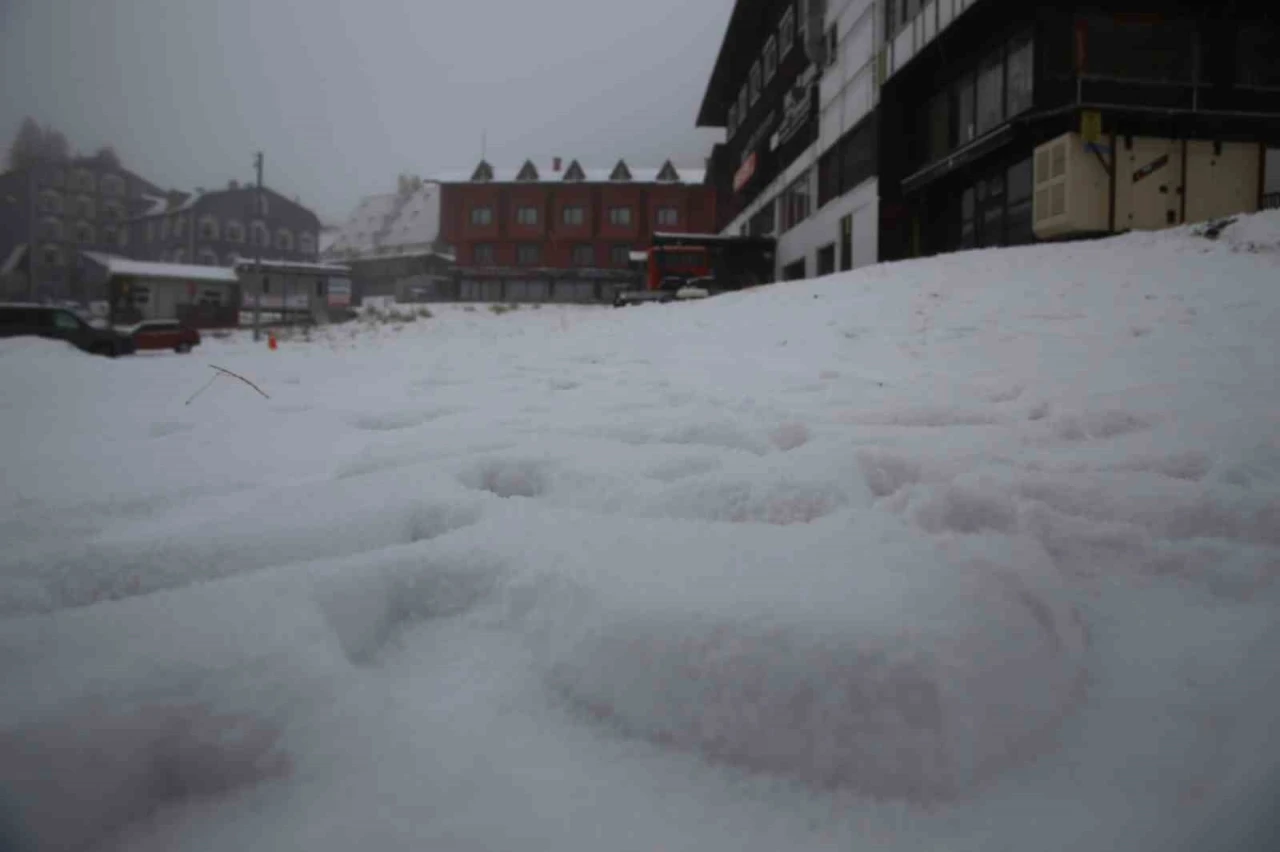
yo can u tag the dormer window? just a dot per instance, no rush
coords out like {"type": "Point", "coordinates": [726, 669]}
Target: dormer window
{"type": "Point", "coordinates": [483, 172]}
{"type": "Point", "coordinates": [528, 172]}
{"type": "Point", "coordinates": [620, 171]}
{"type": "Point", "coordinates": [668, 174]}
{"type": "Point", "coordinates": [574, 172]}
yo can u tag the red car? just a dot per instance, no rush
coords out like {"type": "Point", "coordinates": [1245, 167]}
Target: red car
{"type": "Point", "coordinates": [165, 334]}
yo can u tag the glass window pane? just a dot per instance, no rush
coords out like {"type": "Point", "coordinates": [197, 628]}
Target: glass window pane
{"type": "Point", "coordinates": [990, 94]}
{"type": "Point", "coordinates": [966, 128]}
{"type": "Point", "coordinates": [1021, 75]}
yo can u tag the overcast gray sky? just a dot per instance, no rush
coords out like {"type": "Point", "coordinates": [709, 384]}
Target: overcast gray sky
{"type": "Point", "coordinates": [344, 94]}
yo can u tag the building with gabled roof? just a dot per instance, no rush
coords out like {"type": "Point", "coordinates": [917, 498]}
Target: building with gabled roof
{"type": "Point", "coordinates": [559, 230]}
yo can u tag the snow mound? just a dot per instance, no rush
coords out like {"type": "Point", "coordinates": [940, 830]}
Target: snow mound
{"type": "Point", "coordinates": [913, 677]}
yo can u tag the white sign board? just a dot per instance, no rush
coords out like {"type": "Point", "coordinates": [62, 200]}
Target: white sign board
{"type": "Point", "coordinates": [339, 290]}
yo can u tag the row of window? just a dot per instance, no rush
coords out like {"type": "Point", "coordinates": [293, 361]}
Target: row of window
{"type": "Point", "coordinates": [232, 231]}
{"type": "Point", "coordinates": [996, 210]}
{"type": "Point", "coordinates": [84, 206]}
{"type": "Point", "coordinates": [84, 180]}
{"type": "Point", "coordinates": [980, 101]}
{"type": "Point", "coordinates": [765, 67]}
{"type": "Point", "coordinates": [530, 254]}
{"type": "Point", "coordinates": [52, 229]}
{"type": "Point", "coordinates": [664, 216]}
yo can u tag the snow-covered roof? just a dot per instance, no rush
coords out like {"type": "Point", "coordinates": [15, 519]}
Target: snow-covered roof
{"type": "Point", "coordinates": [145, 269]}
{"type": "Point", "coordinates": [547, 173]}
{"type": "Point", "coordinates": [391, 224]}
{"type": "Point", "coordinates": [293, 266]}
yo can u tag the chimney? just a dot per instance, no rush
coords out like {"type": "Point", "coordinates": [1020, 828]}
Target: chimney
{"type": "Point", "coordinates": [555, 164]}
{"type": "Point", "coordinates": [233, 184]}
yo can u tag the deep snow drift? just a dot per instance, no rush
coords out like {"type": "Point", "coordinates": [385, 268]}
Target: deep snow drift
{"type": "Point", "coordinates": [972, 553]}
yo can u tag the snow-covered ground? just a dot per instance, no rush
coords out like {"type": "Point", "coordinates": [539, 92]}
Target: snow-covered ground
{"type": "Point", "coordinates": [973, 553]}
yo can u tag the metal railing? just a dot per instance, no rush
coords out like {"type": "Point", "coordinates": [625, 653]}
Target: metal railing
{"type": "Point", "coordinates": [1271, 201]}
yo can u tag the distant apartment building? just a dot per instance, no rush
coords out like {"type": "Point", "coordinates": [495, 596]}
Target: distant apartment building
{"type": "Point", "coordinates": [51, 211]}
{"type": "Point", "coordinates": [218, 227]}
{"type": "Point", "coordinates": [392, 245]}
{"type": "Point", "coordinates": [559, 231]}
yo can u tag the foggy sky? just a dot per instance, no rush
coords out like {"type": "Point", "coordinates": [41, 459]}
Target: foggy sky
{"type": "Point", "coordinates": [342, 95]}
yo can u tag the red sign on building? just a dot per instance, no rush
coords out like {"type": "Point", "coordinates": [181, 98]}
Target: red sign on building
{"type": "Point", "coordinates": [744, 173]}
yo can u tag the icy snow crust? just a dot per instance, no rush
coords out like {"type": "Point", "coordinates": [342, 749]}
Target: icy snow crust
{"type": "Point", "coordinates": [972, 553]}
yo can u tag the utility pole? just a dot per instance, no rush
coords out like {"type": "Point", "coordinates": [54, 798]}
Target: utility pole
{"type": "Point", "coordinates": [257, 263]}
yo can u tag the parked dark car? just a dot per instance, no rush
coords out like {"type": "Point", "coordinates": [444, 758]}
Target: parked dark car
{"type": "Point", "coordinates": [21, 320]}
{"type": "Point", "coordinates": [164, 334]}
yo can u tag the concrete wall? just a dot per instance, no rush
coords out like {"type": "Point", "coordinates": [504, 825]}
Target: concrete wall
{"type": "Point", "coordinates": [1273, 170]}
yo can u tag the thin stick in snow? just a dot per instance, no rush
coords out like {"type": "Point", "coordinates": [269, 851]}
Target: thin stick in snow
{"type": "Point", "coordinates": [225, 371]}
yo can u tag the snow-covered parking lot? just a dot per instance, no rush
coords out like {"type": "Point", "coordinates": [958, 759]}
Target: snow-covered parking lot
{"type": "Point", "coordinates": [972, 553]}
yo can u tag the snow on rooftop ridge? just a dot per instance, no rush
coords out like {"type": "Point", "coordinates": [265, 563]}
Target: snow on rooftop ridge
{"type": "Point", "coordinates": [391, 223]}
{"type": "Point", "coordinates": [147, 269]}
{"type": "Point", "coordinates": [546, 172]}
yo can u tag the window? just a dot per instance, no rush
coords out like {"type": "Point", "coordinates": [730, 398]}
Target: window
{"type": "Point", "coordinates": [258, 234]}
{"type": "Point", "coordinates": [207, 257]}
{"type": "Point", "coordinates": [802, 22]}
{"type": "Point", "coordinates": [180, 225]}
{"type": "Point", "coordinates": [827, 259]}
{"type": "Point", "coordinates": [858, 152]}
{"type": "Point", "coordinates": [51, 229]}
{"type": "Point", "coordinates": [231, 259]}
{"type": "Point", "coordinates": [64, 321]}
{"type": "Point", "coordinates": [84, 181]}
{"type": "Point", "coordinates": [846, 243]}
{"type": "Point", "coordinates": [770, 58]}
{"type": "Point", "coordinates": [151, 230]}
{"type": "Point", "coordinates": [938, 127]}
{"type": "Point", "coordinates": [122, 238]}
{"type": "Point", "coordinates": [52, 255]}
{"type": "Point", "coordinates": [235, 231]}
{"type": "Point", "coordinates": [833, 46]}
{"type": "Point", "coordinates": [307, 242]}
{"type": "Point", "coordinates": [731, 126]}
{"type": "Point", "coordinates": [113, 210]}
{"type": "Point", "coordinates": [51, 202]}
{"type": "Point", "coordinates": [829, 175]}
{"type": "Point", "coordinates": [743, 106]}
{"type": "Point", "coordinates": [85, 207]}
{"type": "Point", "coordinates": [112, 185]}
{"type": "Point", "coordinates": [619, 215]}
{"type": "Point", "coordinates": [575, 215]}
{"type": "Point", "coordinates": [1141, 47]}
{"type": "Point", "coordinates": [991, 93]}
{"type": "Point", "coordinates": [482, 215]}
{"type": "Point", "coordinates": [528, 254]}
{"type": "Point", "coordinates": [991, 202]}
{"type": "Point", "coordinates": [179, 255]}
{"type": "Point", "coordinates": [795, 202]}
{"type": "Point", "coordinates": [620, 255]}
{"type": "Point", "coordinates": [526, 215]}
{"type": "Point", "coordinates": [84, 233]}
{"type": "Point", "coordinates": [668, 217]}
{"type": "Point", "coordinates": [1018, 186]}
{"type": "Point", "coordinates": [166, 226]}
{"type": "Point", "coordinates": [966, 121]}
{"type": "Point", "coordinates": [891, 18]}
{"type": "Point", "coordinates": [320, 288]}
{"type": "Point", "coordinates": [208, 228]}
{"type": "Point", "coordinates": [584, 255]}
{"type": "Point", "coordinates": [109, 235]}
{"type": "Point", "coordinates": [786, 32]}
{"type": "Point", "coordinates": [765, 221]}
{"type": "Point", "coordinates": [967, 208]}
{"type": "Point", "coordinates": [1255, 49]}
{"type": "Point", "coordinates": [482, 254]}
{"type": "Point", "coordinates": [1021, 75]}
{"type": "Point", "coordinates": [284, 239]}
{"type": "Point", "coordinates": [755, 82]}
